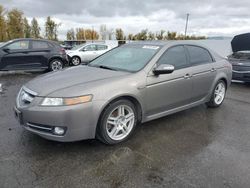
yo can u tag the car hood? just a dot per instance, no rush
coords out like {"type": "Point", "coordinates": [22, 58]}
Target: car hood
{"type": "Point", "coordinates": [66, 78]}
{"type": "Point", "coordinates": [241, 42]}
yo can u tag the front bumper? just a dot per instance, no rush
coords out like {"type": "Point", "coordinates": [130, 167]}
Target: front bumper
{"type": "Point", "coordinates": [79, 121]}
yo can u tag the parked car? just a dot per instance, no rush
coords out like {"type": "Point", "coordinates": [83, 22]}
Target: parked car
{"type": "Point", "coordinates": [86, 52]}
{"type": "Point", "coordinates": [132, 84]}
{"type": "Point", "coordinates": [27, 54]}
{"type": "Point", "coordinates": [240, 59]}
{"type": "Point", "coordinates": [66, 47]}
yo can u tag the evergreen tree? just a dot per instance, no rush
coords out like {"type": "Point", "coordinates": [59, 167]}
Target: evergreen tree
{"type": "Point", "coordinates": [35, 29]}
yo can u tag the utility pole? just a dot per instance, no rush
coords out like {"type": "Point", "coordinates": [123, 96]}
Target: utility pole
{"type": "Point", "coordinates": [186, 25]}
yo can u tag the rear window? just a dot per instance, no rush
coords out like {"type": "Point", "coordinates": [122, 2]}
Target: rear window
{"type": "Point", "coordinates": [40, 45]}
{"type": "Point", "coordinates": [101, 47]}
{"type": "Point", "coordinates": [198, 55]}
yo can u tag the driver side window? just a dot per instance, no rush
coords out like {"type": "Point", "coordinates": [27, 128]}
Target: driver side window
{"type": "Point", "coordinates": [19, 45]}
{"type": "Point", "coordinates": [175, 56]}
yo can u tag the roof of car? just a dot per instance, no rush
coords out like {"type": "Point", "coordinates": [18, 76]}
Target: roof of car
{"type": "Point", "coordinates": [166, 42]}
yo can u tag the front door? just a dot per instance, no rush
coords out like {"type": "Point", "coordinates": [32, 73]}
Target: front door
{"type": "Point", "coordinates": [16, 55]}
{"type": "Point", "coordinates": [88, 53]}
{"type": "Point", "coordinates": [169, 91]}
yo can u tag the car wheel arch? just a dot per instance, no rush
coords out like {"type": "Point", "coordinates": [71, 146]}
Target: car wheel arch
{"type": "Point", "coordinates": [130, 98]}
{"type": "Point", "coordinates": [216, 80]}
{"type": "Point", "coordinates": [77, 57]}
{"type": "Point", "coordinates": [55, 57]}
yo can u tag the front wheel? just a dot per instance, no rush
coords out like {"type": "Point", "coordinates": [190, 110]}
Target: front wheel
{"type": "Point", "coordinates": [117, 122]}
{"type": "Point", "coordinates": [218, 95]}
{"type": "Point", "coordinates": [56, 65]}
{"type": "Point", "coordinates": [75, 61]}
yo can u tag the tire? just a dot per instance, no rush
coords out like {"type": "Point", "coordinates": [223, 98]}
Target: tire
{"type": "Point", "coordinates": [114, 127]}
{"type": "Point", "coordinates": [55, 65]}
{"type": "Point", "coordinates": [75, 61]}
{"type": "Point", "coordinates": [218, 94]}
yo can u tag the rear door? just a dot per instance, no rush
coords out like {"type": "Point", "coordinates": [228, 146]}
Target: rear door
{"type": "Point", "coordinates": [39, 54]}
{"type": "Point", "coordinates": [203, 72]}
{"type": "Point", "coordinates": [16, 55]}
{"type": "Point", "coordinates": [169, 91]}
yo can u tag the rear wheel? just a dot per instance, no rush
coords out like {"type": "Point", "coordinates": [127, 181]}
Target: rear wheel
{"type": "Point", "coordinates": [55, 65]}
{"type": "Point", "coordinates": [117, 122]}
{"type": "Point", "coordinates": [218, 95]}
{"type": "Point", "coordinates": [75, 61]}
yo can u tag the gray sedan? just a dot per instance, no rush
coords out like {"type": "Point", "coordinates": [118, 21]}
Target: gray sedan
{"type": "Point", "coordinates": [128, 85]}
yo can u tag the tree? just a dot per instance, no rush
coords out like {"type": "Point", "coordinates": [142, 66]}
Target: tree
{"type": "Point", "coordinates": [171, 35]}
{"type": "Point", "coordinates": [91, 34]}
{"type": "Point", "coordinates": [130, 36]}
{"type": "Point", "coordinates": [51, 29]}
{"type": "Point", "coordinates": [3, 26]}
{"type": "Point", "coordinates": [35, 29]}
{"type": "Point", "coordinates": [71, 34]}
{"type": "Point", "coordinates": [119, 34]}
{"type": "Point", "coordinates": [103, 32]}
{"type": "Point", "coordinates": [80, 34]}
{"type": "Point", "coordinates": [110, 33]}
{"type": "Point", "coordinates": [15, 24]}
{"type": "Point", "coordinates": [160, 35]}
{"type": "Point", "coordinates": [142, 35]}
{"type": "Point", "coordinates": [151, 36]}
{"type": "Point", "coordinates": [26, 28]}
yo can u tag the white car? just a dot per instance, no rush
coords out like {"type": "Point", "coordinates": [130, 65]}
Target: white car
{"type": "Point", "coordinates": [86, 52]}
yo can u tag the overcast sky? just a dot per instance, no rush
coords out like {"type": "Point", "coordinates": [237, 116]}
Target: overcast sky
{"type": "Point", "coordinates": [207, 17]}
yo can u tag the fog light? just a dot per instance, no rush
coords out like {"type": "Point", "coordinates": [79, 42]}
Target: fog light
{"type": "Point", "coordinates": [59, 130]}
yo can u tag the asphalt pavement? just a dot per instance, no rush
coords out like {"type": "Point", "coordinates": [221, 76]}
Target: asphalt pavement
{"type": "Point", "coordinates": [199, 147]}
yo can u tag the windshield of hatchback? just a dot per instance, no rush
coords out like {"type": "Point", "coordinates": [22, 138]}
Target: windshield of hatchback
{"type": "Point", "coordinates": [130, 58]}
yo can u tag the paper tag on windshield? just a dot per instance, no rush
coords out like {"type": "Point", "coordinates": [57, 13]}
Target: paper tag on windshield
{"type": "Point", "coordinates": [151, 47]}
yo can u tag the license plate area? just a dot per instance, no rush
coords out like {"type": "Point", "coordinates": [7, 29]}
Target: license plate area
{"type": "Point", "coordinates": [18, 116]}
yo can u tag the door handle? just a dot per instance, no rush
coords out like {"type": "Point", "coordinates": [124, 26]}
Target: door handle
{"type": "Point", "coordinates": [187, 76]}
{"type": "Point", "coordinates": [213, 70]}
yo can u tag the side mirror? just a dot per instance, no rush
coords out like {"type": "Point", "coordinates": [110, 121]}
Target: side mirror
{"type": "Point", "coordinates": [163, 69]}
{"type": "Point", "coordinates": [6, 49]}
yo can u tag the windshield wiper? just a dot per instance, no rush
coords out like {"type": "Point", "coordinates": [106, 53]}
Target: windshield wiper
{"type": "Point", "coordinates": [105, 67]}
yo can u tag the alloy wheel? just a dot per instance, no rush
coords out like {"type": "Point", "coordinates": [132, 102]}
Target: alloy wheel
{"type": "Point", "coordinates": [120, 122]}
{"type": "Point", "coordinates": [75, 61]}
{"type": "Point", "coordinates": [219, 93]}
{"type": "Point", "coordinates": [56, 65]}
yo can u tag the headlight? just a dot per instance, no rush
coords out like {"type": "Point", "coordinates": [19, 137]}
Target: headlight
{"type": "Point", "coordinates": [53, 101]}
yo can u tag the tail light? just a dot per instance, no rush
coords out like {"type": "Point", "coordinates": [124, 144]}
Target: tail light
{"type": "Point", "coordinates": [62, 51]}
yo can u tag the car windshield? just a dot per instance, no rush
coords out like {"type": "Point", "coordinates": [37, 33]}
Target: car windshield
{"type": "Point", "coordinates": [78, 47]}
{"type": "Point", "coordinates": [129, 58]}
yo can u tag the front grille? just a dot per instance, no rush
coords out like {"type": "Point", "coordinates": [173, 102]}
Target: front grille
{"type": "Point", "coordinates": [241, 68]}
{"type": "Point", "coordinates": [25, 97]}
